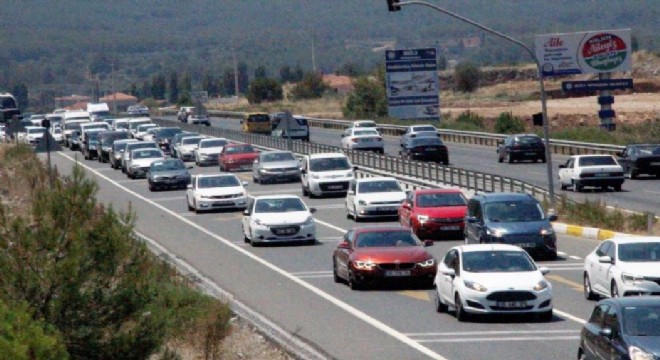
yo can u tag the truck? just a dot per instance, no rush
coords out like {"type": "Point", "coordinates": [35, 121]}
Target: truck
{"type": "Point", "coordinates": [287, 126]}
{"type": "Point", "coordinates": [8, 107]}
{"type": "Point", "coordinates": [98, 111]}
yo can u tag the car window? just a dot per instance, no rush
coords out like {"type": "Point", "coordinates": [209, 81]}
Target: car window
{"type": "Point", "coordinates": [530, 140]}
{"type": "Point", "coordinates": [239, 149]}
{"type": "Point", "coordinates": [639, 252]}
{"type": "Point", "coordinates": [602, 249]}
{"type": "Point", "coordinates": [598, 315]}
{"type": "Point", "coordinates": [424, 128]}
{"type": "Point", "coordinates": [168, 165]}
{"type": "Point", "coordinates": [217, 181]}
{"type": "Point", "coordinates": [329, 164]}
{"type": "Point", "coordinates": [611, 321]}
{"type": "Point", "coordinates": [385, 239]}
{"type": "Point", "coordinates": [611, 251]}
{"type": "Point", "coordinates": [279, 205]}
{"type": "Point", "coordinates": [474, 209]}
{"type": "Point", "coordinates": [497, 261]}
{"type": "Point", "coordinates": [426, 141]}
{"type": "Point", "coordinates": [441, 199]}
{"type": "Point", "coordinates": [596, 161]}
{"type": "Point", "coordinates": [213, 143]}
{"type": "Point", "coordinates": [190, 140]}
{"type": "Point", "coordinates": [348, 237]}
{"type": "Point", "coordinates": [145, 154]}
{"type": "Point", "coordinates": [641, 320]}
{"type": "Point", "coordinates": [378, 186]}
{"type": "Point", "coordinates": [451, 259]}
{"type": "Point", "coordinates": [365, 132]}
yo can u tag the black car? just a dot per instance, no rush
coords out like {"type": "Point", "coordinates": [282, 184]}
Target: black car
{"type": "Point", "coordinates": [163, 137]}
{"type": "Point", "coordinates": [106, 139]}
{"type": "Point", "coordinates": [429, 148]}
{"type": "Point", "coordinates": [639, 159]}
{"type": "Point", "coordinates": [90, 146]}
{"type": "Point", "coordinates": [169, 173]}
{"type": "Point", "coordinates": [521, 147]}
{"type": "Point", "coordinates": [622, 328]}
{"type": "Point", "coordinates": [511, 218]}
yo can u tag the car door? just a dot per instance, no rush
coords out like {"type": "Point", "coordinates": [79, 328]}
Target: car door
{"type": "Point", "coordinates": [475, 228]}
{"type": "Point", "coordinates": [245, 221]}
{"type": "Point", "coordinates": [350, 195]}
{"type": "Point", "coordinates": [304, 172]}
{"type": "Point", "coordinates": [612, 346]}
{"type": "Point", "coordinates": [600, 281]}
{"type": "Point", "coordinates": [445, 283]}
{"type": "Point", "coordinates": [624, 159]}
{"type": "Point", "coordinates": [591, 338]}
{"type": "Point", "coordinates": [190, 191]}
{"type": "Point", "coordinates": [255, 167]}
{"type": "Point", "coordinates": [342, 255]}
{"type": "Point", "coordinates": [566, 173]}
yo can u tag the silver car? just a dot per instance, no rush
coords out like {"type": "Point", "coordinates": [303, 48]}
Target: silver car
{"type": "Point", "coordinates": [418, 131]}
{"type": "Point", "coordinates": [272, 166]}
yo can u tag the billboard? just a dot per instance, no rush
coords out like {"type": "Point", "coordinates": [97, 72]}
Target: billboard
{"type": "Point", "coordinates": [591, 52]}
{"type": "Point", "coordinates": [412, 84]}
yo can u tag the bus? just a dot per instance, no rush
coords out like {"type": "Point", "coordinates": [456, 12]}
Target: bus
{"type": "Point", "coordinates": [256, 123]}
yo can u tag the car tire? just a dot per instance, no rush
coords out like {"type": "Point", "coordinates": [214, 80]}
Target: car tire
{"type": "Point", "coordinates": [617, 187]}
{"type": "Point", "coordinates": [353, 283]}
{"type": "Point", "coordinates": [245, 238]}
{"type": "Point", "coordinates": [152, 188]}
{"type": "Point", "coordinates": [509, 158]}
{"type": "Point", "coordinates": [356, 217]}
{"type": "Point", "coordinates": [381, 151]}
{"type": "Point", "coordinates": [461, 315]}
{"type": "Point", "coordinates": [546, 316]}
{"type": "Point", "coordinates": [614, 290]}
{"type": "Point", "coordinates": [577, 187]}
{"type": "Point", "coordinates": [335, 275]}
{"type": "Point", "coordinates": [255, 180]}
{"type": "Point", "coordinates": [439, 305]}
{"type": "Point", "coordinates": [348, 214]}
{"type": "Point", "coordinates": [587, 290]}
{"type": "Point", "coordinates": [500, 159]}
{"type": "Point", "coordinates": [631, 173]}
{"type": "Point", "coordinates": [562, 185]}
{"type": "Point", "coordinates": [304, 191]}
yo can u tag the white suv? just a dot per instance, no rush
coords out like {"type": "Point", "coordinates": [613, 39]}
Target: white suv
{"type": "Point", "coordinates": [328, 173]}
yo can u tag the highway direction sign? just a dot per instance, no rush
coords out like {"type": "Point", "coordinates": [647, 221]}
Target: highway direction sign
{"type": "Point", "coordinates": [596, 85]}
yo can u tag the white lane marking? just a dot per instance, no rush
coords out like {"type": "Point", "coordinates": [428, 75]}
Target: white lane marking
{"type": "Point", "coordinates": [339, 303]}
{"type": "Point", "coordinates": [127, 181]}
{"type": "Point", "coordinates": [566, 269]}
{"type": "Point", "coordinates": [330, 226]}
{"type": "Point", "coordinates": [527, 338]}
{"type": "Point", "coordinates": [329, 206]}
{"type": "Point", "coordinates": [561, 253]}
{"type": "Point", "coordinates": [569, 316]}
{"type": "Point", "coordinates": [575, 257]}
{"type": "Point", "coordinates": [172, 198]}
{"type": "Point", "coordinates": [494, 332]}
{"type": "Point", "coordinates": [329, 238]}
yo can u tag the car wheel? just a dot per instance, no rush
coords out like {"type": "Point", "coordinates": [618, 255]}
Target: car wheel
{"type": "Point", "coordinates": [356, 217]}
{"type": "Point", "coordinates": [255, 180]}
{"type": "Point", "coordinates": [439, 305]}
{"type": "Point", "coordinates": [354, 283]}
{"type": "Point", "coordinates": [631, 173]}
{"type": "Point", "coordinates": [500, 159]}
{"type": "Point", "coordinates": [381, 151]}
{"type": "Point", "coordinates": [543, 159]}
{"type": "Point", "coordinates": [509, 158]}
{"type": "Point", "coordinates": [588, 291]}
{"type": "Point", "coordinates": [245, 238]}
{"type": "Point", "coordinates": [348, 214]}
{"type": "Point", "coordinates": [562, 185]}
{"type": "Point", "coordinates": [614, 290]}
{"type": "Point", "coordinates": [617, 188]}
{"type": "Point", "coordinates": [152, 188]}
{"type": "Point", "coordinates": [461, 315]}
{"type": "Point", "coordinates": [577, 187]}
{"type": "Point", "coordinates": [190, 208]}
{"type": "Point", "coordinates": [545, 316]}
{"type": "Point", "coordinates": [335, 275]}
{"type": "Point", "coordinates": [304, 191]}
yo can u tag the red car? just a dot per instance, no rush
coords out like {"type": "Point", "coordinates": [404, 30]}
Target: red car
{"type": "Point", "coordinates": [371, 254]}
{"type": "Point", "coordinates": [434, 213]}
{"type": "Point", "coordinates": [237, 157]}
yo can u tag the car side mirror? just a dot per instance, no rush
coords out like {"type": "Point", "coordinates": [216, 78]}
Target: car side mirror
{"type": "Point", "coordinates": [605, 260]}
{"type": "Point", "coordinates": [350, 192]}
{"type": "Point", "coordinates": [406, 205]}
{"type": "Point", "coordinates": [544, 270]}
{"type": "Point", "coordinates": [448, 272]}
{"type": "Point", "coordinates": [553, 217]}
{"type": "Point", "coordinates": [344, 245]}
{"type": "Point", "coordinates": [606, 332]}
{"type": "Point", "coordinates": [428, 242]}
{"type": "Point", "coordinates": [312, 210]}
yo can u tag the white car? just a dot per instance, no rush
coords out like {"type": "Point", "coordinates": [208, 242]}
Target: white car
{"type": "Point", "coordinates": [57, 134]}
{"type": "Point", "coordinates": [33, 134]}
{"type": "Point", "coordinates": [278, 218]}
{"type": "Point", "coordinates": [363, 124]}
{"type": "Point", "coordinates": [140, 161]}
{"type": "Point", "coordinates": [216, 191]}
{"type": "Point", "coordinates": [141, 130]}
{"type": "Point", "coordinates": [600, 171]}
{"type": "Point", "coordinates": [150, 135]}
{"type": "Point", "coordinates": [362, 139]}
{"type": "Point", "coordinates": [623, 266]}
{"type": "Point", "coordinates": [374, 197]}
{"type": "Point", "coordinates": [207, 151]}
{"type": "Point", "coordinates": [186, 150]}
{"type": "Point", "coordinates": [327, 173]}
{"type": "Point", "coordinates": [416, 131]}
{"type": "Point", "coordinates": [492, 279]}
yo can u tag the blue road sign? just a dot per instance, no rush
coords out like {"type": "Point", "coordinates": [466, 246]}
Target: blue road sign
{"type": "Point", "coordinates": [596, 85]}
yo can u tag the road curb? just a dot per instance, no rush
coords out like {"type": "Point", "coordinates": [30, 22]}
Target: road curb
{"type": "Point", "coordinates": [586, 232]}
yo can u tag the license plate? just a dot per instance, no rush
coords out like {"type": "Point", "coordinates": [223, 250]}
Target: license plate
{"type": "Point", "coordinates": [450, 228]}
{"type": "Point", "coordinates": [222, 203]}
{"type": "Point", "coordinates": [288, 231]}
{"type": "Point", "coordinates": [530, 154]}
{"type": "Point", "coordinates": [335, 187]}
{"type": "Point", "coordinates": [246, 167]}
{"type": "Point", "coordinates": [385, 208]}
{"type": "Point", "coordinates": [601, 174]}
{"type": "Point", "coordinates": [397, 273]}
{"type": "Point", "coordinates": [429, 149]}
{"type": "Point", "coordinates": [512, 304]}
{"type": "Point", "coordinates": [527, 245]}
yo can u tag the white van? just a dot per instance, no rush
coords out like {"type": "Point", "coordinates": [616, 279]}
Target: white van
{"type": "Point", "coordinates": [75, 115]}
{"type": "Point", "coordinates": [98, 111]}
{"type": "Point", "coordinates": [120, 124]}
{"type": "Point", "coordinates": [284, 124]}
{"type": "Point", "coordinates": [329, 173]}
{"type": "Point", "coordinates": [135, 122]}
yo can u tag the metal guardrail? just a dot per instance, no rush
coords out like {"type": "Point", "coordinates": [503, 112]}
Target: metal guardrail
{"type": "Point", "coordinates": [563, 147]}
{"type": "Point", "coordinates": [413, 173]}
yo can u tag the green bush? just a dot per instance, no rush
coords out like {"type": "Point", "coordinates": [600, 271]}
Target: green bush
{"type": "Point", "coordinates": [264, 89]}
{"type": "Point", "coordinates": [467, 121]}
{"type": "Point", "coordinates": [466, 77]}
{"type": "Point", "coordinates": [508, 124]}
{"type": "Point", "coordinates": [368, 100]}
{"type": "Point", "coordinates": [310, 87]}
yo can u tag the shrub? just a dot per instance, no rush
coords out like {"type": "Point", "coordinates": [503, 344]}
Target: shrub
{"type": "Point", "coordinates": [466, 77]}
{"type": "Point", "coordinates": [367, 100]}
{"type": "Point", "coordinates": [468, 121]}
{"type": "Point", "coordinates": [310, 87]}
{"type": "Point", "coordinates": [264, 89]}
{"type": "Point", "coordinates": [508, 124]}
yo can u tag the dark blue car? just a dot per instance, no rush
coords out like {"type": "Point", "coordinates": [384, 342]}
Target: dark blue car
{"type": "Point", "coordinates": [622, 328]}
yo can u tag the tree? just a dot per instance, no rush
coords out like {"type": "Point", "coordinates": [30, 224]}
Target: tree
{"type": "Point", "coordinates": [369, 99]}
{"type": "Point", "coordinates": [311, 87]}
{"type": "Point", "coordinates": [508, 124]}
{"type": "Point", "coordinates": [297, 74]}
{"type": "Point", "coordinates": [228, 82]}
{"type": "Point", "coordinates": [285, 74]}
{"type": "Point", "coordinates": [20, 92]}
{"type": "Point", "coordinates": [173, 94]}
{"type": "Point", "coordinates": [260, 72]}
{"type": "Point", "coordinates": [264, 89]}
{"type": "Point", "coordinates": [350, 69]}
{"type": "Point", "coordinates": [243, 78]}
{"type": "Point", "coordinates": [158, 86]}
{"type": "Point", "coordinates": [466, 77]}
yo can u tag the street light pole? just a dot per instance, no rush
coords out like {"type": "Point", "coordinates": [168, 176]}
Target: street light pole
{"type": "Point", "coordinates": [544, 109]}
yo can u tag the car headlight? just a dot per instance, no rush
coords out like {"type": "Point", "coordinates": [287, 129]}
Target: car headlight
{"type": "Point", "coordinates": [636, 353]}
{"type": "Point", "coordinates": [422, 218]}
{"type": "Point", "coordinates": [631, 279]}
{"type": "Point", "coordinates": [547, 231]}
{"type": "Point", "coordinates": [495, 232]}
{"type": "Point", "coordinates": [474, 286]}
{"type": "Point", "coordinates": [363, 203]}
{"type": "Point", "coordinates": [117, 156]}
{"type": "Point", "coordinates": [427, 263]}
{"type": "Point", "coordinates": [309, 220]}
{"type": "Point", "coordinates": [542, 285]}
{"type": "Point", "coordinates": [365, 265]}
{"type": "Point", "coordinates": [349, 174]}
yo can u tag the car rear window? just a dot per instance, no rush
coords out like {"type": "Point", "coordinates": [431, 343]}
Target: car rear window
{"type": "Point", "coordinates": [596, 161]}
{"type": "Point", "coordinates": [427, 141]}
{"type": "Point", "coordinates": [530, 140]}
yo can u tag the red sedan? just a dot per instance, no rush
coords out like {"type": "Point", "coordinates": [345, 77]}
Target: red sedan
{"type": "Point", "coordinates": [372, 254]}
{"type": "Point", "coordinates": [237, 157]}
{"type": "Point", "coordinates": [434, 213]}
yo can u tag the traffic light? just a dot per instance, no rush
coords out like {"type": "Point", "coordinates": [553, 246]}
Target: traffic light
{"type": "Point", "coordinates": [393, 5]}
{"type": "Point", "coordinates": [537, 119]}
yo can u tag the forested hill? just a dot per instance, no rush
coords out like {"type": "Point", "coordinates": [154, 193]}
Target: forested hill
{"type": "Point", "coordinates": [62, 41]}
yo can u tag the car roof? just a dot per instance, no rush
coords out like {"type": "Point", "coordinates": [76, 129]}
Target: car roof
{"type": "Point", "coordinates": [488, 247]}
{"type": "Point", "coordinates": [376, 178]}
{"type": "Point", "coordinates": [280, 196]}
{"type": "Point", "coordinates": [498, 196]}
{"type": "Point", "coordinates": [632, 301]}
{"type": "Point", "coordinates": [634, 239]}
{"type": "Point", "coordinates": [214, 138]}
{"type": "Point", "coordinates": [438, 191]}
{"type": "Point", "coordinates": [215, 175]}
{"type": "Point", "coordinates": [326, 155]}
{"type": "Point", "coordinates": [591, 155]}
{"type": "Point", "coordinates": [121, 141]}
{"type": "Point", "coordinates": [276, 152]}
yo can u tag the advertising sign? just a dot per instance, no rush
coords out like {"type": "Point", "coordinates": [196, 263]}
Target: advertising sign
{"type": "Point", "coordinates": [590, 52]}
{"type": "Point", "coordinates": [412, 84]}
{"type": "Point", "coordinates": [596, 85]}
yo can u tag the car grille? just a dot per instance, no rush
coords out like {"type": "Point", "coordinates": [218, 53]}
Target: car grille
{"type": "Point", "coordinates": [285, 230]}
{"type": "Point", "coordinates": [501, 308]}
{"type": "Point", "coordinates": [283, 169]}
{"type": "Point", "coordinates": [511, 296]}
{"type": "Point", "coordinates": [654, 279]}
{"type": "Point", "coordinates": [385, 202]}
{"type": "Point", "coordinates": [226, 196]}
{"type": "Point", "coordinates": [396, 266]}
{"type": "Point", "coordinates": [447, 220]}
{"type": "Point", "coordinates": [326, 186]}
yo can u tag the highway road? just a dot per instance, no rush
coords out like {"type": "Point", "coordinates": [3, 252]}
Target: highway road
{"type": "Point", "coordinates": [641, 195]}
{"type": "Point", "coordinates": [292, 286]}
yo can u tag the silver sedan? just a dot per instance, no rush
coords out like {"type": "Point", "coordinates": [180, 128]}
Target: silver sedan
{"type": "Point", "coordinates": [272, 166]}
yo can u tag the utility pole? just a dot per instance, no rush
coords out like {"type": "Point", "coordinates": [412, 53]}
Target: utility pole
{"type": "Point", "coordinates": [235, 76]}
{"type": "Point", "coordinates": [114, 93]}
{"type": "Point", "coordinates": [313, 55]}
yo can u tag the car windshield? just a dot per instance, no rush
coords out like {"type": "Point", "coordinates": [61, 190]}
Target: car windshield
{"type": "Point", "coordinates": [145, 154]}
{"type": "Point", "coordinates": [72, 126]}
{"type": "Point", "coordinates": [116, 146]}
{"type": "Point", "coordinates": [239, 149]}
{"type": "Point", "coordinates": [365, 132]}
{"type": "Point", "coordinates": [279, 205]}
{"type": "Point", "coordinates": [93, 136]}
{"type": "Point", "coordinates": [140, 145]}
{"type": "Point", "coordinates": [275, 157]}
{"type": "Point", "coordinates": [110, 139]}
{"type": "Point", "coordinates": [258, 118]}
{"type": "Point", "coordinates": [190, 140]}
{"type": "Point", "coordinates": [146, 127]}
{"type": "Point", "coordinates": [424, 128]}
{"type": "Point", "coordinates": [213, 143]}
{"type": "Point", "coordinates": [427, 141]}
{"type": "Point", "coordinates": [329, 164]}
{"type": "Point", "coordinates": [168, 132]}
{"type": "Point", "coordinates": [167, 165]}
{"type": "Point", "coordinates": [596, 160]}
{"type": "Point", "coordinates": [649, 149]}
{"type": "Point", "coordinates": [385, 239]}
{"type": "Point", "coordinates": [530, 140]}
{"type": "Point", "coordinates": [217, 181]}
{"type": "Point", "coordinates": [513, 211]}
{"type": "Point", "coordinates": [641, 320]}
{"type": "Point", "coordinates": [640, 252]}
{"type": "Point", "coordinates": [379, 186]}
{"type": "Point", "coordinates": [37, 131]}
{"type": "Point", "coordinates": [441, 199]}
{"type": "Point", "coordinates": [121, 125]}
{"type": "Point", "coordinates": [497, 261]}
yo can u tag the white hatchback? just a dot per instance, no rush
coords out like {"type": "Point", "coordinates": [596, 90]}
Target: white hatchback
{"type": "Point", "coordinates": [374, 197]}
{"type": "Point", "coordinates": [278, 218]}
{"type": "Point", "coordinates": [216, 191]}
{"type": "Point", "coordinates": [492, 279]}
{"type": "Point", "coordinates": [623, 266]}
